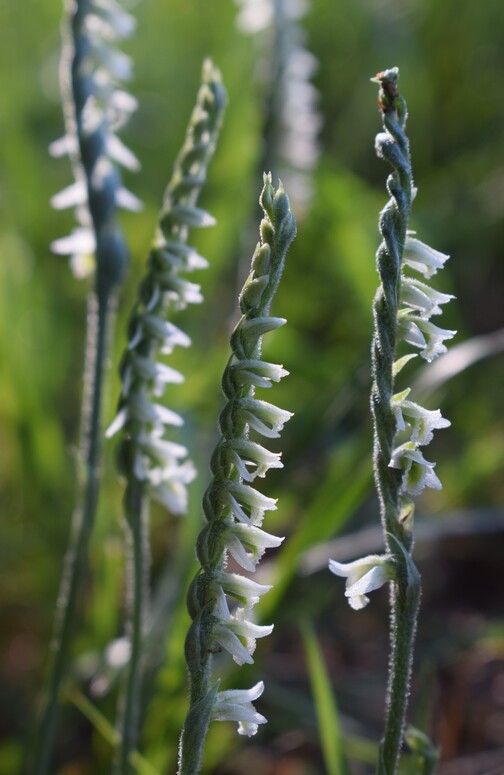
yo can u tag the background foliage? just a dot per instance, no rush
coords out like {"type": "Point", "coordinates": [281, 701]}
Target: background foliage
{"type": "Point", "coordinates": [452, 68]}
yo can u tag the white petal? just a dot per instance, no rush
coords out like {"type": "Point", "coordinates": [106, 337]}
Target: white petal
{"type": "Point", "coordinates": [66, 145]}
{"type": "Point", "coordinates": [173, 497]}
{"type": "Point", "coordinates": [80, 241]}
{"type": "Point", "coordinates": [246, 591]}
{"type": "Point", "coordinates": [228, 640]}
{"type": "Point", "coordinates": [123, 101]}
{"type": "Point", "coordinates": [116, 62]}
{"type": "Point", "coordinates": [423, 258]}
{"type": "Point", "coordinates": [353, 571]}
{"type": "Point", "coordinates": [120, 153]}
{"type": "Point", "coordinates": [73, 195]}
{"type": "Point", "coordinates": [128, 201]}
{"type": "Point", "coordinates": [194, 217]}
{"type": "Point", "coordinates": [373, 579]}
{"type": "Point", "coordinates": [236, 705]}
{"type": "Point", "coordinates": [141, 408]}
{"type": "Point", "coordinates": [265, 418]}
{"type": "Point", "coordinates": [118, 423]}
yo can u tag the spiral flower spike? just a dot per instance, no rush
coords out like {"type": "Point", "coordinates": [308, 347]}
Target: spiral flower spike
{"type": "Point", "coordinates": [233, 508]}
{"type": "Point", "coordinates": [152, 465]}
{"type": "Point", "coordinates": [145, 456]}
{"type": "Point", "coordinates": [96, 107]}
{"type": "Point", "coordinates": [403, 306]}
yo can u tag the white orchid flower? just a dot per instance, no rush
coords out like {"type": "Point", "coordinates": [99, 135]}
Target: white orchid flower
{"type": "Point", "coordinates": [363, 576]}
{"type": "Point", "coordinates": [236, 705]}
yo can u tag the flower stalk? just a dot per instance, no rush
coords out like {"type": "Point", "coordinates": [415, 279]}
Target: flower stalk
{"type": "Point", "coordinates": [95, 108]}
{"type": "Point", "coordinates": [403, 306]}
{"type": "Point", "coordinates": [153, 466]}
{"type": "Point", "coordinates": [233, 509]}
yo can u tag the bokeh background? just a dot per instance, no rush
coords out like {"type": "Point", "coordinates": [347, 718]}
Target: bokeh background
{"type": "Point", "coordinates": [451, 60]}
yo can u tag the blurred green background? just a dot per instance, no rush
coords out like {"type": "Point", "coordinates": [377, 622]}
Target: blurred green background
{"type": "Point", "coordinates": [451, 60]}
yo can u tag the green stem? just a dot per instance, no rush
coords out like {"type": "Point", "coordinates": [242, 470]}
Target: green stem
{"type": "Point", "coordinates": [405, 602]}
{"type": "Point", "coordinates": [136, 510]}
{"type": "Point", "coordinates": [106, 730]}
{"type": "Point", "coordinates": [75, 563]}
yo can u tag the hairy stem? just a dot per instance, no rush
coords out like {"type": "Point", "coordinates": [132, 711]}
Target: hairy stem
{"type": "Point", "coordinates": [136, 507]}
{"type": "Point", "coordinates": [99, 316]}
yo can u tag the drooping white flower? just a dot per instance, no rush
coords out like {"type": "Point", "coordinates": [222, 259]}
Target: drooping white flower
{"type": "Point", "coordinates": [418, 472]}
{"type": "Point", "coordinates": [421, 257]}
{"type": "Point", "coordinates": [420, 296]}
{"type": "Point", "coordinates": [236, 705]}
{"type": "Point", "coordinates": [251, 459]}
{"type": "Point", "coordinates": [363, 576]}
{"type": "Point", "coordinates": [247, 504]}
{"type": "Point", "coordinates": [247, 543]}
{"type": "Point", "coordinates": [245, 591]}
{"type": "Point", "coordinates": [230, 630]}
{"type": "Point", "coordinates": [422, 422]}
{"type": "Point", "coordinates": [267, 419]}
{"type": "Point", "coordinates": [423, 334]}
{"type": "Point", "coordinates": [257, 373]}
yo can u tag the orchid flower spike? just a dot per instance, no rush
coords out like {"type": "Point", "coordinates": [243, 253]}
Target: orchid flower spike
{"type": "Point", "coordinates": [403, 308]}
{"type": "Point", "coordinates": [220, 602]}
{"type": "Point", "coordinates": [145, 455]}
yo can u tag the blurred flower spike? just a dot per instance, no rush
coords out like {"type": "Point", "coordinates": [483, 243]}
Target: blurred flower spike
{"type": "Point", "coordinates": [363, 576]}
{"type": "Point", "coordinates": [96, 107]}
{"type": "Point", "coordinates": [144, 454]}
{"type": "Point", "coordinates": [293, 119]}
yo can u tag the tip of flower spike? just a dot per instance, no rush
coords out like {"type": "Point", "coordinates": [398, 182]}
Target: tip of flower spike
{"type": "Point", "coordinates": [391, 74]}
{"type": "Point", "coordinates": [209, 72]}
{"type": "Point", "coordinates": [388, 93]}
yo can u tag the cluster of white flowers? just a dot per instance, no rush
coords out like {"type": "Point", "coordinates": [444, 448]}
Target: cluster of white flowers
{"type": "Point", "coordinates": [96, 108]}
{"type": "Point", "coordinates": [294, 98]}
{"type": "Point", "coordinates": [415, 425]}
{"type": "Point", "coordinates": [145, 454]}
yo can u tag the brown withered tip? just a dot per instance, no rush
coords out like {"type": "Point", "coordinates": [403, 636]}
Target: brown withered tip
{"type": "Point", "coordinates": [388, 92]}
